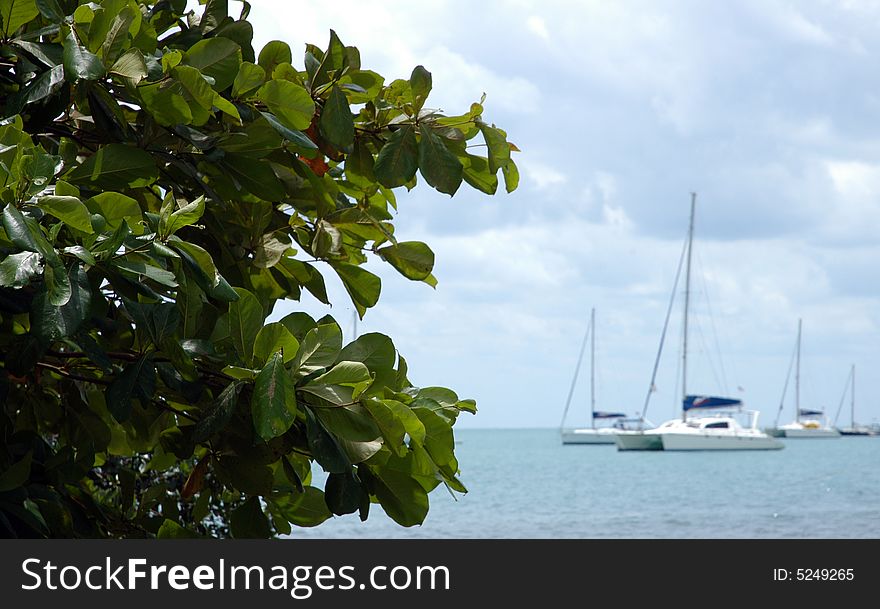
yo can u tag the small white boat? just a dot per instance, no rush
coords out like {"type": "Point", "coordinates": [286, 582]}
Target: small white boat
{"type": "Point", "coordinates": [808, 423]}
{"type": "Point", "coordinates": [592, 434]}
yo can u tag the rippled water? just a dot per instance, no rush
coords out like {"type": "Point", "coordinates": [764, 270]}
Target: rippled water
{"type": "Point", "coordinates": [525, 484]}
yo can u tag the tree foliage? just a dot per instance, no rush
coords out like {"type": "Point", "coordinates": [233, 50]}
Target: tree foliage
{"type": "Point", "coordinates": [163, 185]}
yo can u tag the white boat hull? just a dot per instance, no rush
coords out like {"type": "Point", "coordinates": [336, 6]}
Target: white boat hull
{"type": "Point", "coordinates": [588, 436]}
{"type": "Point", "coordinates": [717, 441]}
{"type": "Point", "coordinates": [810, 433]}
{"type": "Point", "coordinates": [638, 440]}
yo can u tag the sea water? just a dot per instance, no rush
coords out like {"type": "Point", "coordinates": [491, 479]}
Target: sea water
{"type": "Point", "coordinates": [526, 484]}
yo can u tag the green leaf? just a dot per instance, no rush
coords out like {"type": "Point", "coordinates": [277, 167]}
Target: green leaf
{"type": "Point", "coordinates": [297, 138]}
{"type": "Point", "coordinates": [117, 34]}
{"type": "Point", "coordinates": [438, 441]}
{"type": "Point", "coordinates": [352, 422]}
{"type": "Point", "coordinates": [440, 168]}
{"type": "Point", "coordinates": [511, 176]}
{"type": "Point", "coordinates": [324, 447]}
{"type": "Point", "coordinates": [16, 13]}
{"type": "Point", "coordinates": [343, 373]}
{"type": "Point", "coordinates": [362, 285]}
{"type": "Point", "coordinates": [477, 174]}
{"type": "Point", "coordinates": [69, 210]}
{"type": "Point", "coordinates": [247, 473]}
{"type": "Point", "coordinates": [171, 530]}
{"type": "Point", "coordinates": [245, 322]}
{"type": "Point", "coordinates": [249, 522]}
{"type": "Point", "coordinates": [337, 123]}
{"type": "Point", "coordinates": [116, 167]}
{"type": "Point", "coordinates": [254, 176]}
{"type": "Point", "coordinates": [19, 231]}
{"type": "Point", "coordinates": [420, 83]}
{"type": "Point", "coordinates": [131, 65]}
{"type": "Point", "coordinates": [137, 380]}
{"type": "Point", "coordinates": [499, 149]}
{"type": "Point", "coordinates": [402, 497]}
{"type": "Point", "coordinates": [398, 159]}
{"type": "Point", "coordinates": [274, 401]}
{"type": "Point", "coordinates": [274, 54]}
{"type": "Point", "coordinates": [219, 58]}
{"type": "Point", "coordinates": [308, 509]}
{"type": "Point", "coordinates": [185, 216]}
{"type": "Point", "coordinates": [80, 63]}
{"type": "Point", "coordinates": [343, 493]}
{"type": "Point", "coordinates": [250, 77]}
{"type": "Point", "coordinates": [17, 474]}
{"type": "Point", "coordinates": [413, 259]}
{"type": "Point", "coordinates": [319, 348]}
{"type": "Point", "coordinates": [271, 339]}
{"type": "Point", "coordinates": [390, 425]}
{"type": "Point", "coordinates": [51, 321]}
{"type": "Point", "coordinates": [17, 270]}
{"type": "Point", "coordinates": [219, 414]}
{"type": "Point", "coordinates": [50, 10]}
{"type": "Point", "coordinates": [290, 102]}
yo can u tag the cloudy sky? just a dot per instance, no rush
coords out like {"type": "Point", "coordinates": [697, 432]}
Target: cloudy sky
{"type": "Point", "coordinates": [768, 110]}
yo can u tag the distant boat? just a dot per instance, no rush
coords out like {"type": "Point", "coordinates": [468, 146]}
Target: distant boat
{"type": "Point", "coordinates": [853, 429]}
{"type": "Point", "coordinates": [808, 423]}
{"type": "Point", "coordinates": [706, 432]}
{"type": "Point", "coordinates": [592, 434]}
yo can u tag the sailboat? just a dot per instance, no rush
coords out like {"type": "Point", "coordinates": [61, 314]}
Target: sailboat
{"type": "Point", "coordinates": [853, 429]}
{"type": "Point", "coordinates": [808, 423]}
{"type": "Point", "coordinates": [702, 432]}
{"type": "Point", "coordinates": [592, 434]}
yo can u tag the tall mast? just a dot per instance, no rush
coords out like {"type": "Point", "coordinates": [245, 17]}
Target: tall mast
{"type": "Point", "coordinates": [797, 377]}
{"type": "Point", "coordinates": [687, 297]}
{"type": "Point", "coordinates": [852, 403]}
{"type": "Point", "coordinates": [593, 366]}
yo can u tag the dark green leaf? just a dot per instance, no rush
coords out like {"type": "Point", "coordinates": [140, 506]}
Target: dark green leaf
{"type": "Point", "coordinates": [343, 493]}
{"type": "Point", "coordinates": [440, 168]}
{"type": "Point", "coordinates": [17, 270]}
{"type": "Point", "coordinates": [325, 449]}
{"type": "Point", "coordinates": [219, 413]}
{"type": "Point", "coordinates": [171, 530]}
{"type": "Point", "coordinates": [337, 123]}
{"type": "Point", "coordinates": [137, 380]}
{"type": "Point", "coordinates": [116, 167]}
{"type": "Point", "coordinates": [80, 63]}
{"type": "Point", "coordinates": [17, 474]}
{"type": "Point", "coordinates": [402, 497]}
{"type": "Point", "coordinates": [245, 322]}
{"type": "Point", "coordinates": [398, 160]}
{"type": "Point", "coordinates": [53, 322]}
{"type": "Point", "coordinates": [249, 522]}
{"type": "Point", "coordinates": [274, 401]}
{"type": "Point", "coordinates": [247, 474]}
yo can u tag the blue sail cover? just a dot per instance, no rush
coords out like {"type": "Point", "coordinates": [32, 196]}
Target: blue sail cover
{"type": "Point", "coordinates": [708, 401]}
{"type": "Point", "coordinates": [598, 414]}
{"type": "Point", "coordinates": [805, 412]}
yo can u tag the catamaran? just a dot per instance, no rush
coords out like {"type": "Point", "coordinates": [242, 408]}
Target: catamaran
{"type": "Point", "coordinates": [695, 430]}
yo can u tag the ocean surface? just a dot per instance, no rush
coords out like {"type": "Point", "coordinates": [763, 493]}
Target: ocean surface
{"type": "Point", "coordinates": [525, 484]}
